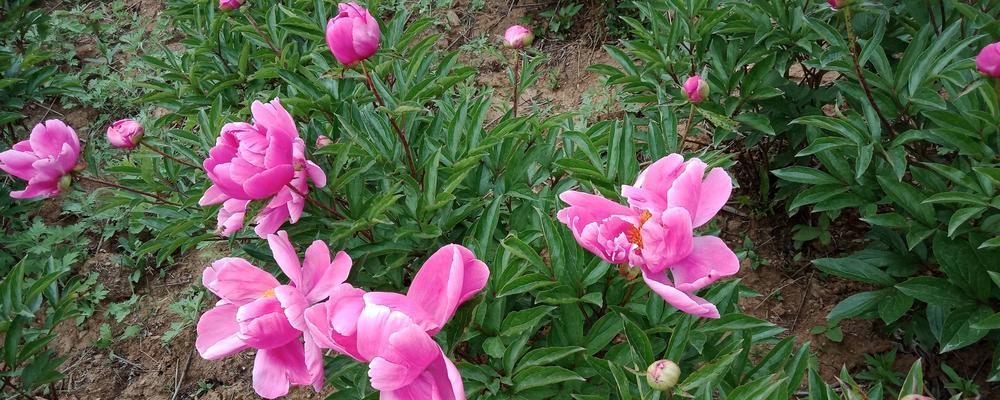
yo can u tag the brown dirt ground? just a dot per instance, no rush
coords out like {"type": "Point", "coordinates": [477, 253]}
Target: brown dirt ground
{"type": "Point", "coordinates": [792, 295]}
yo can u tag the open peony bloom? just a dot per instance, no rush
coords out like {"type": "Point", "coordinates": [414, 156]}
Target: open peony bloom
{"type": "Point", "coordinates": [517, 37]}
{"type": "Point", "coordinates": [988, 60]}
{"type": "Point", "coordinates": [655, 232]}
{"type": "Point", "coordinates": [695, 89]}
{"type": "Point", "coordinates": [226, 5]}
{"type": "Point", "coordinates": [256, 311]}
{"type": "Point", "coordinates": [392, 332]}
{"type": "Point", "coordinates": [353, 35]}
{"type": "Point", "coordinates": [259, 161]}
{"type": "Point", "coordinates": [125, 133]}
{"type": "Point", "coordinates": [45, 160]}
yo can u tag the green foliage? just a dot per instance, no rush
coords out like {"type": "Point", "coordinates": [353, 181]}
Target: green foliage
{"type": "Point", "coordinates": [911, 149]}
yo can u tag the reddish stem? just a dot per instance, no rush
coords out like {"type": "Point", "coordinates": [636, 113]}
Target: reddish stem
{"type": "Point", "coordinates": [168, 156]}
{"type": "Point", "coordinates": [399, 132]}
{"type": "Point", "coordinates": [128, 189]}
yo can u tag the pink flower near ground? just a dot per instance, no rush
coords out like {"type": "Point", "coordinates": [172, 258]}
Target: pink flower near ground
{"type": "Point", "coordinates": [44, 160]}
{"type": "Point", "coordinates": [353, 35]}
{"type": "Point", "coordinates": [988, 60]}
{"type": "Point", "coordinates": [256, 311]}
{"type": "Point", "coordinates": [125, 133]}
{"type": "Point", "coordinates": [517, 37]}
{"type": "Point", "coordinates": [226, 5]}
{"type": "Point", "coordinates": [695, 89]}
{"type": "Point", "coordinates": [655, 232]}
{"type": "Point", "coordinates": [260, 161]}
{"type": "Point", "coordinates": [392, 332]}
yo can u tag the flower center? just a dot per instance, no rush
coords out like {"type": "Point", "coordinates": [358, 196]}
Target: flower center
{"type": "Point", "coordinates": [634, 233]}
{"type": "Point", "coordinates": [268, 294]}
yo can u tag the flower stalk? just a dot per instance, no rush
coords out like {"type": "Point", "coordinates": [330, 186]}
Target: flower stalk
{"type": "Point", "coordinates": [256, 27]}
{"type": "Point", "coordinates": [158, 198]}
{"type": "Point", "coordinates": [395, 126]}
{"type": "Point", "coordinates": [168, 156]}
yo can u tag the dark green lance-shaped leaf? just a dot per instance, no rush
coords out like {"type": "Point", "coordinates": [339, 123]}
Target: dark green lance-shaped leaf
{"type": "Point", "coordinates": [894, 305]}
{"type": "Point", "coordinates": [733, 322]}
{"type": "Point", "coordinates": [518, 322]}
{"type": "Point", "coordinates": [546, 356]}
{"type": "Point", "coordinates": [854, 269]}
{"type": "Point", "coordinates": [855, 305]}
{"type": "Point", "coordinates": [533, 377]}
{"type": "Point", "coordinates": [935, 291]}
{"type": "Point", "coordinates": [914, 383]}
{"type": "Point", "coordinates": [909, 198]}
{"type": "Point", "coordinates": [960, 330]}
{"type": "Point", "coordinates": [638, 341]}
{"type": "Point", "coordinates": [711, 372]}
{"type": "Point", "coordinates": [520, 249]}
{"type": "Point", "coordinates": [810, 176]}
{"type": "Point", "coordinates": [523, 283]}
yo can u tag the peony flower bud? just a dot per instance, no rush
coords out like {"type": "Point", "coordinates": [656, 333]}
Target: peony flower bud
{"type": "Point", "coordinates": [323, 141]}
{"type": "Point", "coordinates": [517, 37]}
{"type": "Point", "coordinates": [227, 5]}
{"type": "Point", "coordinates": [663, 374]}
{"type": "Point", "coordinates": [988, 60]}
{"type": "Point", "coordinates": [834, 3]}
{"type": "Point", "coordinates": [695, 89]}
{"type": "Point", "coordinates": [64, 182]}
{"type": "Point", "coordinates": [125, 133]}
{"type": "Point", "coordinates": [353, 35]}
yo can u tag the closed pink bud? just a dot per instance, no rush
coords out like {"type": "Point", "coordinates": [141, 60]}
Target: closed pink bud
{"type": "Point", "coordinates": [834, 3]}
{"type": "Point", "coordinates": [226, 5]}
{"type": "Point", "coordinates": [323, 141]}
{"type": "Point", "coordinates": [125, 133]}
{"type": "Point", "coordinates": [353, 35]}
{"type": "Point", "coordinates": [662, 375]}
{"type": "Point", "coordinates": [517, 37]}
{"type": "Point", "coordinates": [695, 89]}
{"type": "Point", "coordinates": [988, 60]}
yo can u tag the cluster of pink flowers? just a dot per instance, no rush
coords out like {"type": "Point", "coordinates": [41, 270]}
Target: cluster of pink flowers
{"type": "Point", "coordinates": [655, 231]}
{"type": "Point", "coordinates": [291, 324]}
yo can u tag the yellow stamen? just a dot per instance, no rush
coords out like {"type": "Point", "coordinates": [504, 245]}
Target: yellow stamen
{"type": "Point", "coordinates": [268, 294]}
{"type": "Point", "coordinates": [634, 234]}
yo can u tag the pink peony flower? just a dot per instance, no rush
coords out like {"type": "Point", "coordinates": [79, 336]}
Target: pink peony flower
{"type": "Point", "coordinates": [988, 60]}
{"type": "Point", "coordinates": [353, 35]}
{"type": "Point", "coordinates": [45, 160]}
{"type": "Point", "coordinates": [227, 5]}
{"type": "Point", "coordinates": [323, 141]}
{"type": "Point", "coordinates": [125, 133]}
{"type": "Point", "coordinates": [835, 4]}
{"type": "Point", "coordinates": [695, 89]}
{"type": "Point", "coordinates": [392, 332]}
{"type": "Point", "coordinates": [256, 311]}
{"type": "Point", "coordinates": [259, 161]}
{"type": "Point", "coordinates": [655, 232]}
{"type": "Point", "coordinates": [517, 37]}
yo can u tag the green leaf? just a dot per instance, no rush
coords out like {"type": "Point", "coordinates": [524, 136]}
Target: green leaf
{"type": "Point", "coordinates": [914, 383]}
{"type": "Point", "coordinates": [638, 341]}
{"type": "Point", "coordinates": [546, 356]}
{"type": "Point", "coordinates": [935, 291]}
{"type": "Point", "coordinates": [521, 321]}
{"type": "Point", "coordinates": [805, 175]}
{"type": "Point", "coordinates": [533, 377]}
{"type": "Point", "coordinates": [909, 198]}
{"type": "Point", "coordinates": [525, 252]}
{"type": "Point", "coordinates": [854, 269]}
{"type": "Point", "coordinates": [711, 372]}
{"type": "Point", "coordinates": [855, 305]}
{"type": "Point", "coordinates": [894, 305]}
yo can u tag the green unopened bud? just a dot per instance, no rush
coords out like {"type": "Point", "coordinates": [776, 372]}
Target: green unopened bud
{"type": "Point", "coordinates": [663, 374]}
{"type": "Point", "coordinates": [64, 182]}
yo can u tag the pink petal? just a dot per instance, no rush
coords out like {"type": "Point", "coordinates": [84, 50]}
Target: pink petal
{"type": "Point", "coordinates": [686, 190]}
{"type": "Point", "coordinates": [659, 176]}
{"type": "Point", "coordinates": [685, 302]}
{"type": "Point", "coordinates": [269, 220]}
{"type": "Point", "coordinates": [666, 241]}
{"type": "Point", "coordinates": [279, 149]}
{"type": "Point", "coordinates": [285, 256]}
{"type": "Point", "coordinates": [275, 369]}
{"type": "Point", "coordinates": [338, 39]}
{"type": "Point", "coordinates": [316, 174]}
{"type": "Point", "coordinates": [217, 331]}
{"type": "Point", "coordinates": [410, 351]}
{"type": "Point", "coordinates": [314, 361]}
{"type": "Point", "coordinates": [294, 304]}
{"type": "Point", "coordinates": [212, 196]}
{"type": "Point", "coordinates": [449, 277]}
{"type": "Point", "coordinates": [18, 163]}
{"type": "Point", "coordinates": [269, 182]}
{"type": "Point", "coordinates": [263, 324]}
{"type": "Point", "coordinates": [319, 275]}
{"type": "Point", "coordinates": [592, 207]}
{"type": "Point", "coordinates": [375, 325]}
{"type": "Point", "coordinates": [237, 281]}
{"type": "Point", "coordinates": [715, 191]}
{"type": "Point", "coordinates": [47, 139]}
{"type": "Point", "coordinates": [275, 118]}
{"type": "Point", "coordinates": [710, 260]}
